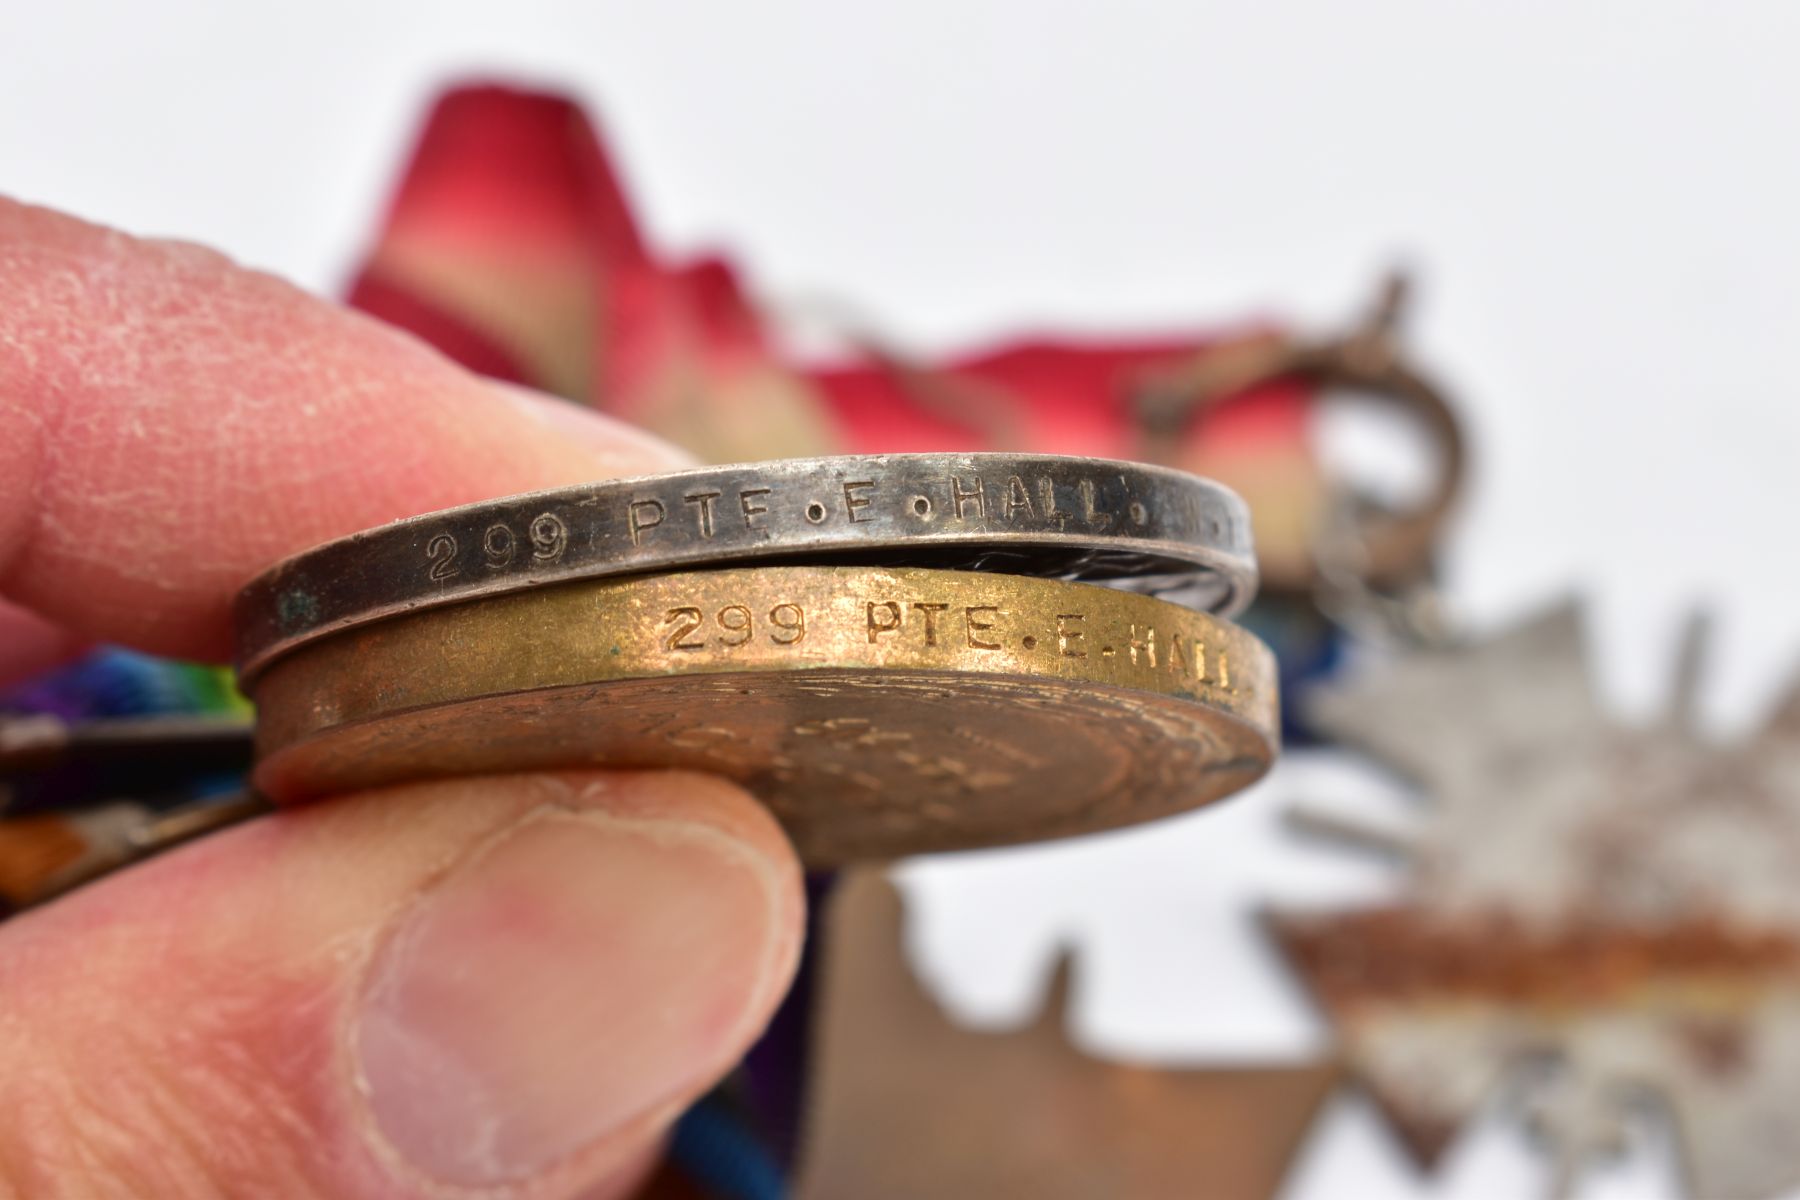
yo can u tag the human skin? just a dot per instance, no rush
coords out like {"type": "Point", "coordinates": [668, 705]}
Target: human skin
{"type": "Point", "coordinates": [506, 986]}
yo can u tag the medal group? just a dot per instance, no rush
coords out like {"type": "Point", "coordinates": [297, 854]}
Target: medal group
{"type": "Point", "coordinates": [897, 653]}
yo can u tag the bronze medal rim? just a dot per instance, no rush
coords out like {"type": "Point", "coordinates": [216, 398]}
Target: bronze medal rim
{"type": "Point", "coordinates": [506, 684]}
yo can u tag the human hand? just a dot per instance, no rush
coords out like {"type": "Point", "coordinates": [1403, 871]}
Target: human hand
{"type": "Point", "coordinates": [505, 986]}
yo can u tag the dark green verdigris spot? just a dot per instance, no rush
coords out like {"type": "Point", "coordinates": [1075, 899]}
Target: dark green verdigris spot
{"type": "Point", "coordinates": [295, 610]}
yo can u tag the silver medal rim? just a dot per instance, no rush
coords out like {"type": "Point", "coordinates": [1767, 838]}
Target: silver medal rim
{"type": "Point", "coordinates": [1130, 525]}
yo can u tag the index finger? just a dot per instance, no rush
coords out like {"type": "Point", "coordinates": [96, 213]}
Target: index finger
{"type": "Point", "coordinates": [170, 424]}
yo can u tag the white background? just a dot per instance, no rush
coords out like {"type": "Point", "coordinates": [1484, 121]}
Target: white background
{"type": "Point", "coordinates": [1601, 199]}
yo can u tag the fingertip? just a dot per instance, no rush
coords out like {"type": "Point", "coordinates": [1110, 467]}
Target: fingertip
{"type": "Point", "coordinates": [172, 424]}
{"type": "Point", "coordinates": [30, 645]}
{"type": "Point", "coordinates": [619, 449]}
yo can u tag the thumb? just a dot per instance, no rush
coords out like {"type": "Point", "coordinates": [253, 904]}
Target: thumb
{"type": "Point", "coordinates": [505, 986]}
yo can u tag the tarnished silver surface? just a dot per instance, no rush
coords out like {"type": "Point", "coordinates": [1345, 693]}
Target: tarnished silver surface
{"type": "Point", "coordinates": [1140, 528]}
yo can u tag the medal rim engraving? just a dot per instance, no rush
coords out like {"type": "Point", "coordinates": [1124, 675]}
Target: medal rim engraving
{"type": "Point", "coordinates": [1129, 525]}
{"type": "Point", "coordinates": [1180, 705]}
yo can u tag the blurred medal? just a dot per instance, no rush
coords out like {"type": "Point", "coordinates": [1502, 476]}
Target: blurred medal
{"type": "Point", "coordinates": [1597, 917]}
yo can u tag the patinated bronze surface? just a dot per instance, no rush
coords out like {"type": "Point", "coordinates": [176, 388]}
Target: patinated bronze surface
{"type": "Point", "coordinates": [878, 711]}
{"type": "Point", "coordinates": [906, 1104]}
